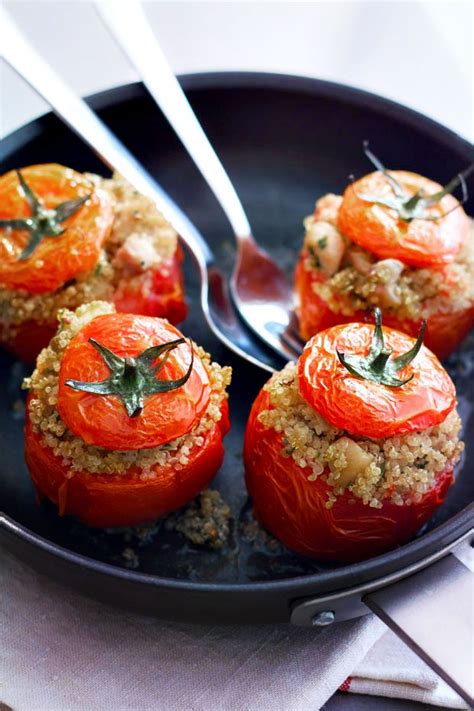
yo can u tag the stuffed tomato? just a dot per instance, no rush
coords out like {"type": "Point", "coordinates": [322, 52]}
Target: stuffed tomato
{"type": "Point", "coordinates": [394, 240]}
{"type": "Point", "coordinates": [66, 239]}
{"type": "Point", "coordinates": [125, 418]}
{"type": "Point", "coordinates": [349, 451]}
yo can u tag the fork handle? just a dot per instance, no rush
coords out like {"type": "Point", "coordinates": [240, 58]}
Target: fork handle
{"type": "Point", "coordinates": [127, 22]}
{"type": "Point", "coordinates": [73, 110]}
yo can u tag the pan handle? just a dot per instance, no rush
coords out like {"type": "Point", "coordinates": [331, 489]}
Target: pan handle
{"type": "Point", "coordinates": [429, 605]}
{"type": "Point", "coordinates": [432, 612]}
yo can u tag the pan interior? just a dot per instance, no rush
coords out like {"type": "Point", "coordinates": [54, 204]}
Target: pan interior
{"type": "Point", "coordinates": [283, 148]}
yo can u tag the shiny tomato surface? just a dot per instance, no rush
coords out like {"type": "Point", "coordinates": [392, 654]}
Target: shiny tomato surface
{"type": "Point", "coordinates": [366, 408]}
{"type": "Point", "coordinates": [421, 243]}
{"type": "Point", "coordinates": [294, 509]}
{"type": "Point", "coordinates": [102, 420]}
{"type": "Point", "coordinates": [104, 500]}
{"type": "Point", "coordinates": [56, 259]}
{"type": "Point", "coordinates": [444, 332]}
{"type": "Point", "coordinates": [156, 292]}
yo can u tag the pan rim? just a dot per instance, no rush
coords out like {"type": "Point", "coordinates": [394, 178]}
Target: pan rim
{"type": "Point", "coordinates": [380, 566]}
{"type": "Point", "coordinates": [336, 579]}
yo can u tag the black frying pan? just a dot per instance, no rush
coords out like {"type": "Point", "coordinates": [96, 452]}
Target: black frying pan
{"type": "Point", "coordinates": [285, 141]}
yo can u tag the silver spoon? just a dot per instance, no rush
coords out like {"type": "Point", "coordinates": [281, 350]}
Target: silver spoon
{"type": "Point", "coordinates": [214, 297]}
{"type": "Point", "coordinates": [259, 287]}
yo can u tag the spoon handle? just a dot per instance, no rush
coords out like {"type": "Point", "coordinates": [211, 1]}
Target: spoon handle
{"type": "Point", "coordinates": [127, 22]}
{"type": "Point", "coordinates": [21, 56]}
{"type": "Point", "coordinates": [214, 297]}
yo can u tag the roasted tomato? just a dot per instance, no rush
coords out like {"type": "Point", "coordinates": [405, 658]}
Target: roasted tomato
{"type": "Point", "coordinates": [126, 384]}
{"type": "Point", "coordinates": [51, 250]}
{"type": "Point", "coordinates": [29, 339]}
{"type": "Point", "coordinates": [380, 229]}
{"type": "Point", "coordinates": [329, 514]}
{"type": "Point", "coordinates": [363, 406]}
{"type": "Point", "coordinates": [105, 500]}
{"type": "Point", "coordinates": [444, 330]}
{"type": "Point", "coordinates": [103, 420]}
{"type": "Point", "coordinates": [156, 292]}
{"type": "Point", "coordinates": [396, 241]}
{"type": "Point", "coordinates": [66, 239]}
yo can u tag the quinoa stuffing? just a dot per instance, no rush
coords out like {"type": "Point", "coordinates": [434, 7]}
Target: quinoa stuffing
{"type": "Point", "coordinates": [353, 279]}
{"type": "Point", "coordinates": [205, 521]}
{"type": "Point", "coordinates": [140, 239]}
{"type": "Point", "coordinates": [400, 468]}
{"type": "Point", "coordinates": [82, 457]}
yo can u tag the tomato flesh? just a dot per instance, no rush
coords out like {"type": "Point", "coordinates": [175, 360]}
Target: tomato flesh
{"type": "Point", "coordinates": [56, 260]}
{"type": "Point", "coordinates": [294, 509]}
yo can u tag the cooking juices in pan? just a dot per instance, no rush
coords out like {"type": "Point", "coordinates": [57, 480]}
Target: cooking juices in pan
{"type": "Point", "coordinates": [125, 418]}
{"type": "Point", "coordinates": [394, 240]}
{"type": "Point", "coordinates": [349, 451]}
{"type": "Point", "coordinates": [67, 239]}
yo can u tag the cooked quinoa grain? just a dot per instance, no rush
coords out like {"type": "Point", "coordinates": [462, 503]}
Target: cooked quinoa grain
{"type": "Point", "coordinates": [359, 281]}
{"type": "Point", "coordinates": [400, 469]}
{"type": "Point", "coordinates": [43, 385]}
{"type": "Point", "coordinates": [140, 239]}
{"type": "Point", "coordinates": [205, 521]}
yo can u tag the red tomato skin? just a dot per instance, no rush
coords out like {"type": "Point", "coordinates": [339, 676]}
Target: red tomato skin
{"type": "Point", "coordinates": [293, 508]}
{"type": "Point", "coordinates": [444, 333]}
{"type": "Point", "coordinates": [421, 243]}
{"type": "Point", "coordinates": [61, 258]}
{"type": "Point", "coordinates": [159, 292]}
{"type": "Point", "coordinates": [363, 407]}
{"type": "Point", "coordinates": [104, 501]}
{"type": "Point", "coordinates": [102, 420]}
{"type": "Point", "coordinates": [29, 340]}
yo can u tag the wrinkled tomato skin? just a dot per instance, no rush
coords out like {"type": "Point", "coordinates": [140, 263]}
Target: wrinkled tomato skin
{"type": "Point", "coordinates": [293, 508]}
{"type": "Point", "coordinates": [361, 406]}
{"type": "Point", "coordinates": [104, 501]}
{"type": "Point", "coordinates": [60, 258]}
{"type": "Point", "coordinates": [158, 292]}
{"type": "Point", "coordinates": [102, 420]}
{"type": "Point", "coordinates": [421, 243]}
{"type": "Point", "coordinates": [444, 333]}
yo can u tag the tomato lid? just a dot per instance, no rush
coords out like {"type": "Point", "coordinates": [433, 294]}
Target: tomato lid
{"type": "Point", "coordinates": [402, 215]}
{"type": "Point", "coordinates": [53, 222]}
{"type": "Point", "coordinates": [420, 394]}
{"type": "Point", "coordinates": [130, 382]}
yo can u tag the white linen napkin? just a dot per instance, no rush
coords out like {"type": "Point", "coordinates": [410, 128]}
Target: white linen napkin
{"type": "Point", "coordinates": [62, 652]}
{"type": "Point", "coordinates": [391, 669]}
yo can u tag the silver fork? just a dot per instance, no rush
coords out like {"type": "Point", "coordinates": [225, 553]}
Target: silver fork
{"type": "Point", "coordinates": [214, 297]}
{"type": "Point", "coordinates": [259, 287]}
